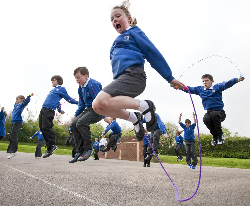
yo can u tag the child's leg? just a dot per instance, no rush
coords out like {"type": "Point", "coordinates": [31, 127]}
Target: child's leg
{"type": "Point", "coordinates": [175, 150]}
{"type": "Point", "coordinates": [193, 154]}
{"type": "Point", "coordinates": [178, 151]}
{"type": "Point", "coordinates": [207, 119]}
{"type": "Point", "coordinates": [188, 153]}
{"type": "Point", "coordinates": [156, 136]}
{"type": "Point", "coordinates": [46, 126]}
{"type": "Point", "coordinates": [38, 152]}
{"type": "Point", "coordinates": [13, 138]}
{"type": "Point", "coordinates": [217, 118]}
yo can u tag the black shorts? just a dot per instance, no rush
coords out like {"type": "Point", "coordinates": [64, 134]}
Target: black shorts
{"type": "Point", "coordinates": [131, 84]}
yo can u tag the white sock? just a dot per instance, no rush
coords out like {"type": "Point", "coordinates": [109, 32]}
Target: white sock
{"type": "Point", "coordinates": [142, 108]}
{"type": "Point", "coordinates": [133, 118]}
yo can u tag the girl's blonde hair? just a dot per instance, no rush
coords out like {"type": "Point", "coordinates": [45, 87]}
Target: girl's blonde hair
{"type": "Point", "coordinates": [125, 7]}
{"type": "Point", "coordinates": [179, 132]}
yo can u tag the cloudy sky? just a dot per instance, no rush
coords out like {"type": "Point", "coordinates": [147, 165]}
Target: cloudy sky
{"type": "Point", "coordinates": [39, 39]}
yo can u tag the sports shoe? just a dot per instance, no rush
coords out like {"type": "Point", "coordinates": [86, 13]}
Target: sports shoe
{"type": "Point", "coordinates": [181, 159]}
{"type": "Point", "coordinates": [140, 134]}
{"type": "Point", "coordinates": [193, 167]}
{"type": "Point", "coordinates": [190, 166]}
{"type": "Point", "coordinates": [149, 156]}
{"type": "Point", "coordinates": [221, 140]}
{"type": "Point", "coordinates": [73, 160]}
{"type": "Point", "coordinates": [152, 123]}
{"type": "Point", "coordinates": [96, 159]}
{"type": "Point", "coordinates": [214, 142]}
{"type": "Point", "coordinates": [177, 159]}
{"type": "Point", "coordinates": [12, 155]}
{"type": "Point", "coordinates": [144, 165]}
{"type": "Point", "coordinates": [148, 165]}
{"type": "Point", "coordinates": [85, 155]}
{"type": "Point", "coordinates": [50, 152]}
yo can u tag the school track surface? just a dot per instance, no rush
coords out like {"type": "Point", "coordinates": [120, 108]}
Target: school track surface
{"type": "Point", "coordinates": [53, 181]}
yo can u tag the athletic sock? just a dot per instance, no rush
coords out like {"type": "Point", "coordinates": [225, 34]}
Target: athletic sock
{"type": "Point", "coordinates": [144, 106]}
{"type": "Point", "coordinates": [133, 118]}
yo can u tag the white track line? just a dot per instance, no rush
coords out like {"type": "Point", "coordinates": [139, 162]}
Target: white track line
{"type": "Point", "coordinates": [58, 187]}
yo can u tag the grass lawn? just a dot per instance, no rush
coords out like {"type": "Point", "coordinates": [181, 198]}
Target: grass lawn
{"type": "Point", "coordinates": [206, 161]}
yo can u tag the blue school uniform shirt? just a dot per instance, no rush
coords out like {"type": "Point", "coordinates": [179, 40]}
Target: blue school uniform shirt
{"type": "Point", "coordinates": [2, 122]}
{"type": "Point", "coordinates": [52, 100]}
{"type": "Point", "coordinates": [212, 97]}
{"type": "Point", "coordinates": [96, 145]}
{"type": "Point", "coordinates": [145, 141]}
{"type": "Point", "coordinates": [188, 132]}
{"type": "Point", "coordinates": [18, 109]}
{"type": "Point", "coordinates": [131, 48]}
{"type": "Point", "coordinates": [159, 125]}
{"type": "Point", "coordinates": [39, 135]}
{"type": "Point", "coordinates": [179, 139]}
{"type": "Point", "coordinates": [87, 94]}
{"type": "Point", "coordinates": [114, 126]}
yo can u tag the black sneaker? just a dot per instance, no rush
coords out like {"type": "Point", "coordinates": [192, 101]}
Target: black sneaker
{"type": "Point", "coordinates": [85, 155]}
{"type": "Point", "coordinates": [152, 123]}
{"type": "Point", "coordinates": [140, 134]}
{"type": "Point", "coordinates": [50, 152]}
{"type": "Point", "coordinates": [178, 159]}
{"type": "Point", "coordinates": [221, 140]}
{"type": "Point", "coordinates": [144, 165]}
{"type": "Point", "coordinates": [214, 142]}
{"type": "Point", "coordinates": [148, 165]}
{"type": "Point", "coordinates": [73, 160]}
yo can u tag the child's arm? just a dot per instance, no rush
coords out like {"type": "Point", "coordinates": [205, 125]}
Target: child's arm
{"type": "Point", "coordinates": [2, 114]}
{"type": "Point", "coordinates": [180, 118]}
{"type": "Point", "coordinates": [65, 95]}
{"type": "Point", "coordinates": [94, 88]}
{"type": "Point", "coordinates": [194, 118]}
{"type": "Point", "coordinates": [241, 79]}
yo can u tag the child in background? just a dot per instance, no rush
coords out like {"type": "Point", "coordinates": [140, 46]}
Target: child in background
{"type": "Point", "coordinates": [102, 144]}
{"type": "Point", "coordinates": [146, 139]}
{"type": "Point", "coordinates": [155, 137]}
{"type": "Point", "coordinates": [47, 113]}
{"type": "Point", "coordinates": [178, 145]}
{"type": "Point", "coordinates": [3, 115]}
{"type": "Point", "coordinates": [211, 96]}
{"type": "Point", "coordinates": [40, 143]}
{"type": "Point", "coordinates": [85, 115]}
{"type": "Point", "coordinates": [127, 55]}
{"type": "Point", "coordinates": [96, 146]}
{"type": "Point", "coordinates": [189, 141]}
{"type": "Point", "coordinates": [17, 122]}
{"type": "Point", "coordinates": [114, 135]}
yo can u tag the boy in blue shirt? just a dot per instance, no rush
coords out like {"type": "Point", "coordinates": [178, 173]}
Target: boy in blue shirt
{"type": "Point", "coordinates": [3, 115]}
{"type": "Point", "coordinates": [211, 96]}
{"type": "Point", "coordinates": [17, 122]}
{"type": "Point", "coordinates": [97, 147]}
{"type": "Point", "coordinates": [114, 135]}
{"type": "Point", "coordinates": [47, 113]}
{"type": "Point", "coordinates": [146, 138]}
{"type": "Point", "coordinates": [85, 115]}
{"type": "Point", "coordinates": [178, 145]}
{"type": "Point", "coordinates": [40, 143]}
{"type": "Point", "coordinates": [155, 137]}
{"type": "Point", "coordinates": [189, 141]}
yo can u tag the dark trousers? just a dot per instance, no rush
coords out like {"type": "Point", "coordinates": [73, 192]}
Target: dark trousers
{"type": "Point", "coordinates": [81, 130]}
{"type": "Point", "coordinates": [96, 154]}
{"type": "Point", "coordinates": [38, 152]}
{"type": "Point", "coordinates": [191, 153]}
{"type": "Point", "coordinates": [13, 137]}
{"type": "Point", "coordinates": [154, 140]}
{"type": "Point", "coordinates": [46, 126]}
{"type": "Point", "coordinates": [177, 149]}
{"type": "Point", "coordinates": [212, 119]}
{"type": "Point", "coordinates": [145, 154]}
{"type": "Point", "coordinates": [113, 137]}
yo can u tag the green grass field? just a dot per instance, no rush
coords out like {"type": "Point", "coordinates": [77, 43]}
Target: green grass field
{"type": "Point", "coordinates": [206, 161]}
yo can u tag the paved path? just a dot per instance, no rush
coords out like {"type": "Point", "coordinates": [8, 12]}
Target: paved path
{"type": "Point", "coordinates": [53, 181]}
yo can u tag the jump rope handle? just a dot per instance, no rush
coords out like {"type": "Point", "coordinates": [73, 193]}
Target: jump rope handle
{"type": "Point", "coordinates": [178, 87]}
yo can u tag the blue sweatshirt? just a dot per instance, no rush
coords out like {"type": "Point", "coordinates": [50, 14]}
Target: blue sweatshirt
{"type": "Point", "coordinates": [96, 145]}
{"type": "Point", "coordinates": [87, 94]}
{"type": "Point", "coordinates": [52, 100]}
{"type": "Point", "coordinates": [188, 132]}
{"type": "Point", "coordinates": [145, 141]}
{"type": "Point", "coordinates": [114, 126]}
{"type": "Point", "coordinates": [160, 125]}
{"type": "Point", "coordinates": [18, 109]}
{"type": "Point", "coordinates": [2, 122]}
{"type": "Point", "coordinates": [212, 97]}
{"type": "Point", "coordinates": [179, 139]}
{"type": "Point", "coordinates": [39, 135]}
{"type": "Point", "coordinates": [131, 48]}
